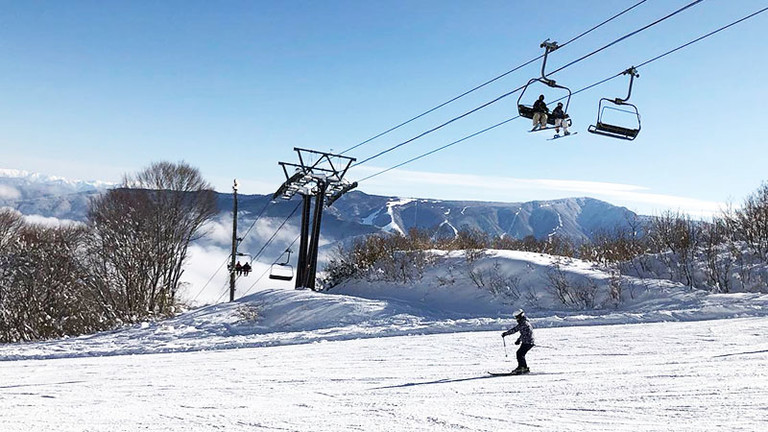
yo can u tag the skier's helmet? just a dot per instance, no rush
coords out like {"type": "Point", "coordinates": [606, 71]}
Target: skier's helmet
{"type": "Point", "coordinates": [519, 314]}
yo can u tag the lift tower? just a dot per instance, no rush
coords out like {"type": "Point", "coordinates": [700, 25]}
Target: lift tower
{"type": "Point", "coordinates": [319, 175]}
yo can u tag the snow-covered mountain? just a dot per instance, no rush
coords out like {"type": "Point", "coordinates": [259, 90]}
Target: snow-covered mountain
{"type": "Point", "coordinates": [47, 196]}
{"type": "Point", "coordinates": [354, 214]}
{"type": "Point", "coordinates": [575, 218]}
{"type": "Point", "coordinates": [53, 184]}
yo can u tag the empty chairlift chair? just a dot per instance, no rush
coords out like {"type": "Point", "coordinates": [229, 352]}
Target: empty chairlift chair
{"type": "Point", "coordinates": [283, 270]}
{"type": "Point", "coordinates": [601, 127]}
{"type": "Point", "coordinates": [527, 110]}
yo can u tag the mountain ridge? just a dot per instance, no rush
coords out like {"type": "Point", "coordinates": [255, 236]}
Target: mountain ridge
{"type": "Point", "coordinates": [356, 213]}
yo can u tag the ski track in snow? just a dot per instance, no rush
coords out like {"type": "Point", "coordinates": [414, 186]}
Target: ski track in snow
{"type": "Point", "coordinates": [393, 225]}
{"type": "Point", "coordinates": [559, 225]}
{"type": "Point", "coordinates": [684, 376]}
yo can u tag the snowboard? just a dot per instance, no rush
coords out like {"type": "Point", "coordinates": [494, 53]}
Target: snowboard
{"type": "Point", "coordinates": [561, 136]}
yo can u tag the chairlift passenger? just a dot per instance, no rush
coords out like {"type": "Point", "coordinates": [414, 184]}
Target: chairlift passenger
{"type": "Point", "coordinates": [539, 112]}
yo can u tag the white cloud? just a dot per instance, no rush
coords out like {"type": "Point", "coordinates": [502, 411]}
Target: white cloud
{"type": "Point", "coordinates": [50, 222]}
{"type": "Point", "coordinates": [217, 231]}
{"type": "Point", "coordinates": [8, 192]}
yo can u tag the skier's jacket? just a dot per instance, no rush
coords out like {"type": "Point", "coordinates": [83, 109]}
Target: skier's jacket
{"type": "Point", "coordinates": [526, 331]}
{"type": "Point", "coordinates": [540, 107]}
{"type": "Point", "coordinates": [558, 113]}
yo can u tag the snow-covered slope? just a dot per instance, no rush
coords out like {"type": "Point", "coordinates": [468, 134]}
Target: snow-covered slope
{"type": "Point", "coordinates": [682, 377]}
{"type": "Point", "coordinates": [281, 359]}
{"type": "Point", "coordinates": [361, 309]}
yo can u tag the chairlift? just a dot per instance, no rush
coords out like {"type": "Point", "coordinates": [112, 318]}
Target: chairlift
{"type": "Point", "coordinates": [282, 270]}
{"type": "Point", "coordinates": [527, 110]}
{"type": "Point", "coordinates": [621, 105]}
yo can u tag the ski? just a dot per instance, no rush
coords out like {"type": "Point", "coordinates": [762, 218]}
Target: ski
{"type": "Point", "coordinates": [510, 373]}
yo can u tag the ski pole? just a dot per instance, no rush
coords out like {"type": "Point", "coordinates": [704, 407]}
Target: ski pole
{"type": "Point", "coordinates": [504, 341]}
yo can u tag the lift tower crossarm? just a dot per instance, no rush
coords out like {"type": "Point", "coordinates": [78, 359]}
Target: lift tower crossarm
{"type": "Point", "coordinates": [322, 180]}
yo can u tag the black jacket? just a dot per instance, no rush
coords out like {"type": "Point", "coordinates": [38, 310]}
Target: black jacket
{"type": "Point", "coordinates": [540, 106]}
{"type": "Point", "coordinates": [558, 113]}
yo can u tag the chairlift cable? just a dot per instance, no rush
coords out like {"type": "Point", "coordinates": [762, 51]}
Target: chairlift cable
{"type": "Point", "coordinates": [703, 37]}
{"type": "Point", "coordinates": [383, 152]}
{"type": "Point", "coordinates": [226, 291]}
{"type": "Point", "coordinates": [635, 32]}
{"type": "Point", "coordinates": [603, 81]}
{"type": "Point", "coordinates": [439, 149]}
{"type": "Point", "coordinates": [275, 233]}
{"type": "Point", "coordinates": [255, 256]}
{"type": "Point", "coordinates": [628, 35]}
{"type": "Point", "coordinates": [228, 257]}
{"type": "Point", "coordinates": [256, 220]}
{"type": "Point", "coordinates": [210, 279]}
{"type": "Point", "coordinates": [492, 80]}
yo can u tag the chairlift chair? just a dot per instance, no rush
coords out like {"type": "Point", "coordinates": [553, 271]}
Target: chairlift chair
{"type": "Point", "coordinates": [615, 131]}
{"type": "Point", "coordinates": [283, 270]}
{"type": "Point", "coordinates": [527, 110]}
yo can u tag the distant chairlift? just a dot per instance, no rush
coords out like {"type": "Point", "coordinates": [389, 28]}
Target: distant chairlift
{"type": "Point", "coordinates": [527, 110]}
{"type": "Point", "coordinates": [283, 270]}
{"type": "Point", "coordinates": [621, 105]}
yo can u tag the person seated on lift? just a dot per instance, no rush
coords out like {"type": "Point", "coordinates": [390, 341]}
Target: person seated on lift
{"type": "Point", "coordinates": [246, 269]}
{"type": "Point", "coordinates": [560, 120]}
{"type": "Point", "coordinates": [540, 112]}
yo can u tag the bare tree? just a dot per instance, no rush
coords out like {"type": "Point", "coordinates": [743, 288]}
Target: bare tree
{"type": "Point", "coordinates": [719, 251]}
{"type": "Point", "coordinates": [142, 232]}
{"type": "Point", "coordinates": [678, 234]}
{"type": "Point", "coordinates": [751, 221]}
{"type": "Point", "coordinates": [10, 224]}
{"type": "Point", "coordinates": [42, 285]}
{"type": "Point", "coordinates": [577, 292]}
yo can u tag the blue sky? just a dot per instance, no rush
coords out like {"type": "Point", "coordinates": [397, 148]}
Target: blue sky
{"type": "Point", "coordinates": [95, 89]}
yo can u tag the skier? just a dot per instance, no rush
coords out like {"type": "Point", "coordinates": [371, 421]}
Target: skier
{"type": "Point", "coordinates": [525, 340]}
{"type": "Point", "coordinates": [561, 120]}
{"type": "Point", "coordinates": [246, 269]}
{"type": "Point", "coordinates": [540, 112]}
{"type": "Point", "coordinates": [239, 269]}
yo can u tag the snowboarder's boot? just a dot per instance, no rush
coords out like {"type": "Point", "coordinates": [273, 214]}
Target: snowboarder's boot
{"type": "Point", "coordinates": [524, 370]}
